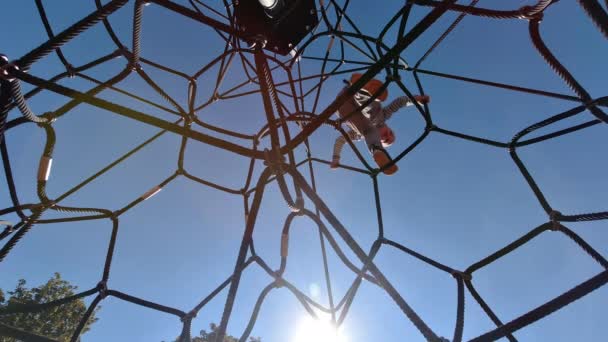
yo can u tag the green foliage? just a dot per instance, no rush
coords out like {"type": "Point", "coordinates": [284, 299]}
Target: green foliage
{"type": "Point", "coordinates": [57, 323]}
{"type": "Point", "coordinates": [210, 336]}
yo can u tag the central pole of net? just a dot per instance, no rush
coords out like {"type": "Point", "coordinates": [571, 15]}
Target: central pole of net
{"type": "Point", "coordinates": [263, 73]}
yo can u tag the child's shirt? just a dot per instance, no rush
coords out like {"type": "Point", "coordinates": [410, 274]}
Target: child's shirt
{"type": "Point", "coordinates": [377, 114]}
{"type": "Point", "coordinates": [365, 123]}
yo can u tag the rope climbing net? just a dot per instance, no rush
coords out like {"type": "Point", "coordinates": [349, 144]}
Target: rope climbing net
{"type": "Point", "coordinates": [259, 68]}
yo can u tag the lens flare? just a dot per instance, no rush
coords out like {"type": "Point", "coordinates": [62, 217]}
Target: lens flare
{"type": "Point", "coordinates": [318, 330]}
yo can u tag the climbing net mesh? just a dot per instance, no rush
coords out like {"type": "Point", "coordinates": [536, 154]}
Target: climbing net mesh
{"type": "Point", "coordinates": [279, 159]}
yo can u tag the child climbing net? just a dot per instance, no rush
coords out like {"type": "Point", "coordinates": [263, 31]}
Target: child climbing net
{"type": "Point", "coordinates": [367, 119]}
{"type": "Point", "coordinates": [358, 106]}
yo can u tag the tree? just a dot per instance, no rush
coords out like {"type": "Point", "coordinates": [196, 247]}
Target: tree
{"type": "Point", "coordinates": [58, 323]}
{"type": "Point", "coordinates": [210, 336]}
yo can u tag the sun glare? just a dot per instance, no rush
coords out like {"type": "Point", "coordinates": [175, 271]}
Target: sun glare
{"type": "Point", "coordinates": [318, 330]}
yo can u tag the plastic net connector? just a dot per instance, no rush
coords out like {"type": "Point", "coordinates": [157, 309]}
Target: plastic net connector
{"type": "Point", "coordinates": [135, 66]}
{"type": "Point", "coordinates": [595, 102]}
{"type": "Point", "coordinates": [3, 61]}
{"type": "Point", "coordinates": [151, 193]}
{"type": "Point", "coordinates": [275, 160]}
{"type": "Point", "coordinates": [8, 225]}
{"type": "Point", "coordinates": [70, 70]}
{"type": "Point", "coordinates": [279, 282]}
{"type": "Point", "coordinates": [554, 216]}
{"type": "Point", "coordinates": [298, 206]}
{"type": "Point", "coordinates": [331, 43]}
{"type": "Point", "coordinates": [48, 203]}
{"type": "Point", "coordinates": [48, 117]}
{"type": "Point", "coordinates": [462, 275]}
{"type": "Point", "coordinates": [7, 69]}
{"type": "Point", "coordinates": [259, 42]}
{"type": "Point", "coordinates": [188, 317]}
{"type": "Point", "coordinates": [44, 168]}
{"type": "Point", "coordinates": [530, 13]}
{"type": "Point", "coordinates": [284, 245]}
{"type": "Point", "coordinates": [102, 287]}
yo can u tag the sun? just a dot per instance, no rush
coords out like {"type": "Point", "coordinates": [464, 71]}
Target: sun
{"type": "Point", "coordinates": [318, 330]}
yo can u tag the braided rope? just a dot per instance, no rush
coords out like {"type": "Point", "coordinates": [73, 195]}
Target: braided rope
{"type": "Point", "coordinates": [381, 55]}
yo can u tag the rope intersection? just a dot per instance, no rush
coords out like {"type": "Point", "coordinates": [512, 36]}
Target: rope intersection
{"type": "Point", "coordinates": [281, 164]}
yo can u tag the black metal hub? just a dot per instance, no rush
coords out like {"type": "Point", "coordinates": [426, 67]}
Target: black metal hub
{"type": "Point", "coordinates": [282, 23]}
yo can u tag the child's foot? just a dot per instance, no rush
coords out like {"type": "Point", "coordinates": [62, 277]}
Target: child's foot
{"type": "Point", "coordinates": [383, 159]}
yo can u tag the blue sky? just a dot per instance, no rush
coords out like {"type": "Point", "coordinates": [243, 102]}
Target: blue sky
{"type": "Point", "coordinates": [452, 200]}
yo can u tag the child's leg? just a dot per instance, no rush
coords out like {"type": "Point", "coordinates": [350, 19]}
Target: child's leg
{"type": "Point", "coordinates": [381, 157]}
{"type": "Point", "coordinates": [359, 123]}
